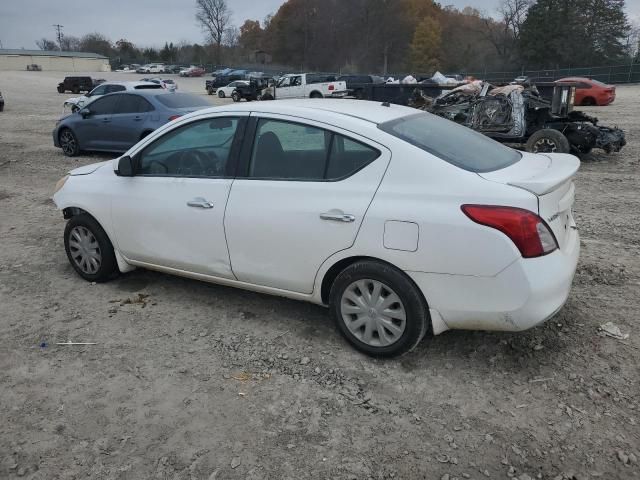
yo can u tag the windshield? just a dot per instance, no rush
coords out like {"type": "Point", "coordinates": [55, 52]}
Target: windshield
{"type": "Point", "coordinates": [182, 100]}
{"type": "Point", "coordinates": [451, 142]}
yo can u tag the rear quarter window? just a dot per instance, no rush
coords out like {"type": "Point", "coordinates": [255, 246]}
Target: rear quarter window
{"type": "Point", "coordinates": [453, 143]}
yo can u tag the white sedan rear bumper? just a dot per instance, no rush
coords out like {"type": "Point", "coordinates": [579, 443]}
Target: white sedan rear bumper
{"type": "Point", "coordinates": [523, 295]}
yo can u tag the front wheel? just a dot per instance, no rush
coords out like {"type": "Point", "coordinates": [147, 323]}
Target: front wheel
{"type": "Point", "coordinates": [235, 96]}
{"type": "Point", "coordinates": [548, 140]}
{"type": "Point", "coordinates": [69, 143]}
{"type": "Point", "coordinates": [60, 89]}
{"type": "Point", "coordinates": [378, 309]}
{"type": "Point", "coordinates": [220, 94]}
{"type": "Point", "coordinates": [89, 249]}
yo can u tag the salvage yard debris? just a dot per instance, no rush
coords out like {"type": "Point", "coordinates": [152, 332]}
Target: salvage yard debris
{"type": "Point", "coordinates": [520, 114]}
{"type": "Point", "coordinates": [610, 329]}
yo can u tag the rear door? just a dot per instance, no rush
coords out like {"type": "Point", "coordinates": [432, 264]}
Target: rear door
{"type": "Point", "coordinates": [300, 197]}
{"type": "Point", "coordinates": [129, 119]}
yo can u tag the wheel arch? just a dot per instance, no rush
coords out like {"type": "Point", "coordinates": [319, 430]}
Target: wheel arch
{"type": "Point", "coordinates": [72, 211]}
{"type": "Point", "coordinates": [339, 265]}
{"type": "Point", "coordinates": [316, 94]}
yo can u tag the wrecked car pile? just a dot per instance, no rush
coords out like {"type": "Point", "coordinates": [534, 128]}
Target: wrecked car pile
{"type": "Point", "coordinates": [519, 114]}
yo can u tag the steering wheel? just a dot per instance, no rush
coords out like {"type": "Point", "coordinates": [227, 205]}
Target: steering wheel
{"type": "Point", "coordinates": [189, 159]}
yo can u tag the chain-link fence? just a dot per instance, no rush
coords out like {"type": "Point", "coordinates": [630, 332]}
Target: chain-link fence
{"type": "Point", "coordinates": [612, 74]}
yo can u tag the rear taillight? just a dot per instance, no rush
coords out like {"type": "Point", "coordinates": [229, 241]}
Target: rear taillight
{"type": "Point", "coordinates": [527, 231]}
{"type": "Point", "coordinates": [331, 87]}
{"type": "Point", "coordinates": [173, 117]}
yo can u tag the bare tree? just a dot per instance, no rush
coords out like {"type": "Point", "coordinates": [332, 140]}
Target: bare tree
{"type": "Point", "coordinates": [504, 32]}
{"type": "Point", "coordinates": [214, 17]}
{"type": "Point", "coordinates": [46, 44]}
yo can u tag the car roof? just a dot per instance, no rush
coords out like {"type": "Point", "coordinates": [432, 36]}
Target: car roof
{"type": "Point", "coordinates": [133, 83]}
{"type": "Point", "coordinates": [322, 109]}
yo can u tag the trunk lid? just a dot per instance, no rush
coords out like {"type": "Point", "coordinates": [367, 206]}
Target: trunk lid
{"type": "Point", "coordinates": [549, 177]}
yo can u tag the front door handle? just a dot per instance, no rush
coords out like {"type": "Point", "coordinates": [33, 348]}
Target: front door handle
{"type": "Point", "coordinates": [337, 216]}
{"type": "Point", "coordinates": [200, 202]}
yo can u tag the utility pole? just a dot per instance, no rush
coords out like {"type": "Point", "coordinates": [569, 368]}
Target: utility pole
{"type": "Point", "coordinates": [59, 34]}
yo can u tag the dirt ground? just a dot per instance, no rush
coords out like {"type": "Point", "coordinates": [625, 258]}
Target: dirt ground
{"type": "Point", "coordinates": [194, 381]}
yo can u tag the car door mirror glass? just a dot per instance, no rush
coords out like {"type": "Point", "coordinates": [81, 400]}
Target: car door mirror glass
{"type": "Point", "coordinates": [85, 112]}
{"type": "Point", "coordinates": [125, 167]}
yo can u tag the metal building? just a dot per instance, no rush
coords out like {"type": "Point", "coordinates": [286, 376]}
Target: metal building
{"type": "Point", "coordinates": [52, 60]}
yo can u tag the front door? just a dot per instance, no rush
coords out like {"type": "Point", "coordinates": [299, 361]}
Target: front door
{"type": "Point", "coordinates": [94, 130]}
{"type": "Point", "coordinates": [303, 197]}
{"type": "Point", "coordinates": [170, 214]}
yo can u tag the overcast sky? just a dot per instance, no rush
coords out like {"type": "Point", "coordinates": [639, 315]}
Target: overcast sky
{"type": "Point", "coordinates": [144, 22]}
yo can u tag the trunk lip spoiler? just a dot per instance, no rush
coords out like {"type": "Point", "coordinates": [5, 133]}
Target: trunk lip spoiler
{"type": "Point", "coordinates": [561, 169]}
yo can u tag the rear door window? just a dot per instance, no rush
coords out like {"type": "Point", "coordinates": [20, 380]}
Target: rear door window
{"type": "Point", "coordinates": [293, 151]}
{"type": "Point", "coordinates": [453, 143]}
{"type": "Point", "coordinates": [133, 104]}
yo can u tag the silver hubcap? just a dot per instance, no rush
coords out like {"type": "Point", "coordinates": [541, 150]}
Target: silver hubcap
{"type": "Point", "coordinates": [545, 145]}
{"type": "Point", "coordinates": [85, 250]}
{"type": "Point", "coordinates": [68, 142]}
{"type": "Point", "coordinates": [373, 313]}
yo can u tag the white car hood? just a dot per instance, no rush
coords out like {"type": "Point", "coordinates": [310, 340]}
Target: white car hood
{"type": "Point", "coordinates": [87, 169]}
{"type": "Point", "coordinates": [76, 100]}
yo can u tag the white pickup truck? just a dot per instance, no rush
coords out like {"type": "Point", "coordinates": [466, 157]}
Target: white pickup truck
{"type": "Point", "coordinates": [307, 85]}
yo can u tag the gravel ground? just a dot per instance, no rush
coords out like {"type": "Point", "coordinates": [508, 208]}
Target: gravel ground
{"type": "Point", "coordinates": [195, 381]}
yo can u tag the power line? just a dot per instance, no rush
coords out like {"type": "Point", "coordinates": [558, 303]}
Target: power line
{"type": "Point", "coordinates": [59, 34]}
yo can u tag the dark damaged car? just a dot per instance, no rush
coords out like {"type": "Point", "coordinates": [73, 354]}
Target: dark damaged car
{"type": "Point", "coordinates": [519, 114]}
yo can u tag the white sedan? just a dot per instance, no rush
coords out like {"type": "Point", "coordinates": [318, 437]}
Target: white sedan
{"type": "Point", "coordinates": [224, 92]}
{"type": "Point", "coordinates": [401, 222]}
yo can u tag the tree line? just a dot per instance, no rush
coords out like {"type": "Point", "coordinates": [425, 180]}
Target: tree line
{"type": "Point", "coordinates": [382, 36]}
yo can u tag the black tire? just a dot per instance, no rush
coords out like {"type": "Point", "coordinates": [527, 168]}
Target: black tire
{"type": "Point", "coordinates": [221, 94]}
{"type": "Point", "coordinates": [75, 90]}
{"type": "Point", "coordinates": [235, 96]}
{"type": "Point", "coordinates": [98, 243]}
{"type": "Point", "coordinates": [60, 89]}
{"type": "Point", "coordinates": [359, 94]}
{"type": "Point", "coordinates": [69, 142]}
{"type": "Point", "coordinates": [316, 95]}
{"type": "Point", "coordinates": [416, 311]}
{"type": "Point", "coordinates": [588, 102]}
{"type": "Point", "coordinates": [548, 140]}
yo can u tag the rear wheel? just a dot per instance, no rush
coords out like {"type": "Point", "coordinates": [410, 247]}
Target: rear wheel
{"type": "Point", "coordinates": [316, 95]}
{"type": "Point", "coordinates": [220, 94]}
{"type": "Point", "coordinates": [235, 96]}
{"type": "Point", "coordinates": [69, 143]}
{"type": "Point", "coordinates": [589, 101]}
{"type": "Point", "coordinates": [378, 309]}
{"type": "Point", "coordinates": [548, 140]}
{"type": "Point", "coordinates": [89, 249]}
{"type": "Point", "coordinates": [75, 90]}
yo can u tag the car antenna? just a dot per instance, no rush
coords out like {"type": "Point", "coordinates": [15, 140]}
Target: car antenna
{"type": "Point", "coordinates": [385, 104]}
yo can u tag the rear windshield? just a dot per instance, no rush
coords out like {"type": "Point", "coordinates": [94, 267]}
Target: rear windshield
{"type": "Point", "coordinates": [451, 142]}
{"type": "Point", "coordinates": [182, 100]}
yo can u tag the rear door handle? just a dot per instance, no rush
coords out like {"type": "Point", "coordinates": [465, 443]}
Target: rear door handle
{"type": "Point", "coordinates": [338, 217]}
{"type": "Point", "coordinates": [137, 119]}
{"type": "Point", "coordinates": [106, 120]}
{"type": "Point", "coordinates": [200, 202]}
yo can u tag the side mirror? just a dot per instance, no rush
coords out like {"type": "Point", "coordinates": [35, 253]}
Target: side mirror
{"type": "Point", "coordinates": [125, 167]}
{"type": "Point", "coordinates": [85, 112]}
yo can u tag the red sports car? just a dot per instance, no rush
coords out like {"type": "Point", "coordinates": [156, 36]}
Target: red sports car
{"type": "Point", "coordinates": [592, 92]}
